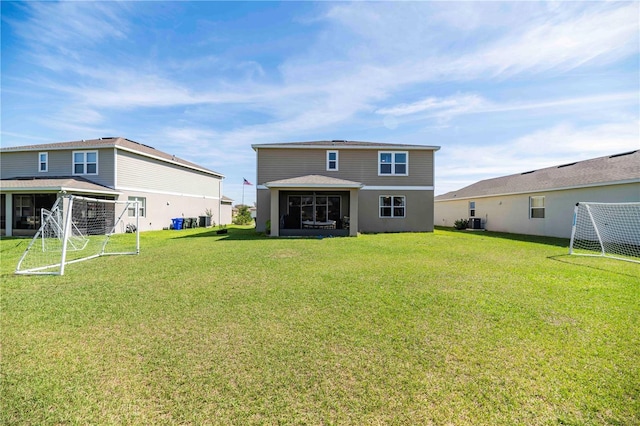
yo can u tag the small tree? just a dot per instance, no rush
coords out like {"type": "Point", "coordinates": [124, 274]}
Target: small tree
{"type": "Point", "coordinates": [244, 216]}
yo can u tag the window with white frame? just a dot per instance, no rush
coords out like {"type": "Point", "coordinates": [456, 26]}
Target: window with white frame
{"type": "Point", "coordinates": [393, 163]}
{"type": "Point", "coordinates": [472, 208]}
{"type": "Point", "coordinates": [332, 160]}
{"type": "Point", "coordinates": [392, 206]}
{"type": "Point", "coordinates": [85, 162]}
{"type": "Point", "coordinates": [43, 161]}
{"type": "Point", "coordinates": [536, 207]}
{"type": "Point", "coordinates": [142, 207]}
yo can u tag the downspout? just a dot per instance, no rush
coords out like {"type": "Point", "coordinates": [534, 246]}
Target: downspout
{"type": "Point", "coordinates": [115, 168]}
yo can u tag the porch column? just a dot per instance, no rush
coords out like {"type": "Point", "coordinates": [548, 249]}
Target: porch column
{"type": "Point", "coordinates": [275, 210]}
{"type": "Point", "coordinates": [8, 213]}
{"type": "Point", "coordinates": [353, 212]}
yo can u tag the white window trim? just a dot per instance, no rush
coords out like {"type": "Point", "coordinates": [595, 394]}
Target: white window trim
{"type": "Point", "coordinates": [543, 208]}
{"type": "Point", "coordinates": [336, 160]}
{"type": "Point", "coordinates": [472, 209]}
{"type": "Point", "coordinates": [46, 162]}
{"type": "Point", "coordinates": [142, 206]}
{"type": "Point", "coordinates": [73, 162]}
{"type": "Point", "coordinates": [393, 163]}
{"type": "Point", "coordinates": [380, 206]}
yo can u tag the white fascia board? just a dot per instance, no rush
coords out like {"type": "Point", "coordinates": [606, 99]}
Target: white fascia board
{"type": "Point", "coordinates": [52, 189]}
{"type": "Point", "coordinates": [542, 191]}
{"type": "Point", "coordinates": [310, 185]}
{"type": "Point", "coordinates": [341, 147]}
{"type": "Point", "coordinates": [397, 188]}
{"type": "Point", "coordinates": [154, 191]}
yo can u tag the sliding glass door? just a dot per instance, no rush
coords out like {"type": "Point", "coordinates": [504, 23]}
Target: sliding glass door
{"type": "Point", "coordinates": [315, 208]}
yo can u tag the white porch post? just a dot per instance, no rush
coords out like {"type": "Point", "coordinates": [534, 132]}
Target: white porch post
{"type": "Point", "coordinates": [275, 212]}
{"type": "Point", "coordinates": [353, 212]}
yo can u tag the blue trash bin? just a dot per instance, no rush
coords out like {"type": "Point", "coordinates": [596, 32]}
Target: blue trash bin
{"type": "Point", "coordinates": [177, 223]}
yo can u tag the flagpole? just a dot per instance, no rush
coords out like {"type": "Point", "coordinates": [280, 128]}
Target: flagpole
{"type": "Point", "coordinates": [243, 191]}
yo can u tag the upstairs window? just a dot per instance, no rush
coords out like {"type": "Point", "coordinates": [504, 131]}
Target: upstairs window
{"type": "Point", "coordinates": [472, 208]}
{"type": "Point", "coordinates": [392, 163]}
{"type": "Point", "coordinates": [332, 160]}
{"type": "Point", "coordinates": [536, 207]}
{"type": "Point", "coordinates": [43, 162]}
{"type": "Point", "coordinates": [85, 162]}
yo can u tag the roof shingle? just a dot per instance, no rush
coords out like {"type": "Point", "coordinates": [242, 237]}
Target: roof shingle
{"type": "Point", "coordinates": [624, 167]}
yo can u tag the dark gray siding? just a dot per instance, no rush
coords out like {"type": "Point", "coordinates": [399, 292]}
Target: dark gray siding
{"type": "Point", "coordinates": [263, 198]}
{"type": "Point", "coordinates": [419, 212]}
{"type": "Point", "coordinates": [359, 165]}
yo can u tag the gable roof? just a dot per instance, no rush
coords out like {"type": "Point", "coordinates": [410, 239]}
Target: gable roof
{"type": "Point", "coordinates": [313, 181]}
{"type": "Point", "coordinates": [113, 142]}
{"type": "Point", "coordinates": [342, 144]}
{"type": "Point", "coordinates": [613, 169]}
{"type": "Point", "coordinates": [57, 184]}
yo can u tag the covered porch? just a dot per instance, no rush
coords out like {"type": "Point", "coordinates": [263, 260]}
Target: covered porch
{"type": "Point", "coordinates": [314, 205]}
{"type": "Point", "coordinates": [22, 200]}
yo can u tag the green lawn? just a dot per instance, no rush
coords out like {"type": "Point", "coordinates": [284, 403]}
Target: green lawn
{"type": "Point", "coordinates": [440, 328]}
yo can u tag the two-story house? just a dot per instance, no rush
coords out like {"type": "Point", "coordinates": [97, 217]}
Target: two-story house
{"type": "Point", "coordinates": [344, 187]}
{"type": "Point", "coordinates": [113, 168]}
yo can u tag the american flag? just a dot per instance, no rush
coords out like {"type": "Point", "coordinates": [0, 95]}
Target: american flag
{"type": "Point", "coordinates": [246, 182]}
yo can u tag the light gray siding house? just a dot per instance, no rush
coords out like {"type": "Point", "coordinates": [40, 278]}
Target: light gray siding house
{"type": "Point", "coordinates": [113, 168]}
{"type": "Point", "coordinates": [541, 202]}
{"type": "Point", "coordinates": [344, 187]}
{"type": "Point", "coordinates": [226, 211]}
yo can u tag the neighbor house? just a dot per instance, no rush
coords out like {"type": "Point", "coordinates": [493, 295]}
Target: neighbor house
{"type": "Point", "coordinates": [344, 187]}
{"type": "Point", "coordinates": [226, 210]}
{"type": "Point", "coordinates": [112, 168]}
{"type": "Point", "coordinates": [541, 202]}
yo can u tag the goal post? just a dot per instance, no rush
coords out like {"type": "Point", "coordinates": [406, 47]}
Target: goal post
{"type": "Point", "coordinates": [607, 230]}
{"type": "Point", "coordinates": [81, 228]}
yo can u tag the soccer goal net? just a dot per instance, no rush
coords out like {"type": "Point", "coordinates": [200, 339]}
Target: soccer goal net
{"type": "Point", "coordinates": [606, 229]}
{"type": "Point", "coordinates": [79, 228]}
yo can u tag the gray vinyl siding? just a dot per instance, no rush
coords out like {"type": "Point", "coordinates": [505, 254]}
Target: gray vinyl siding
{"type": "Point", "coordinates": [60, 163]}
{"type": "Point", "coordinates": [419, 212]}
{"type": "Point", "coordinates": [18, 164]}
{"type": "Point", "coordinates": [263, 199]}
{"type": "Point", "coordinates": [148, 174]}
{"type": "Point", "coordinates": [359, 165]}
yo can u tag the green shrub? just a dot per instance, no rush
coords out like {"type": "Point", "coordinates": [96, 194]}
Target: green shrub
{"type": "Point", "coordinates": [461, 224]}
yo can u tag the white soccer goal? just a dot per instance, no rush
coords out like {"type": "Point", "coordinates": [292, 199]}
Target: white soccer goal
{"type": "Point", "coordinates": [606, 229]}
{"type": "Point", "coordinates": [79, 228]}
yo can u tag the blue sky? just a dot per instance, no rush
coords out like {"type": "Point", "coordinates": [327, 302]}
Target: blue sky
{"type": "Point", "coordinates": [502, 87]}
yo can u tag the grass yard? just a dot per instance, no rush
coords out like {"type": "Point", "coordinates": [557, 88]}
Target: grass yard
{"type": "Point", "coordinates": [441, 328]}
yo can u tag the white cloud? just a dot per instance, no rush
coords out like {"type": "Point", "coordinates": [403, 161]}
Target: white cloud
{"type": "Point", "coordinates": [469, 103]}
{"type": "Point", "coordinates": [596, 36]}
{"type": "Point", "coordinates": [462, 165]}
{"type": "Point", "coordinates": [65, 27]}
{"type": "Point", "coordinates": [459, 103]}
